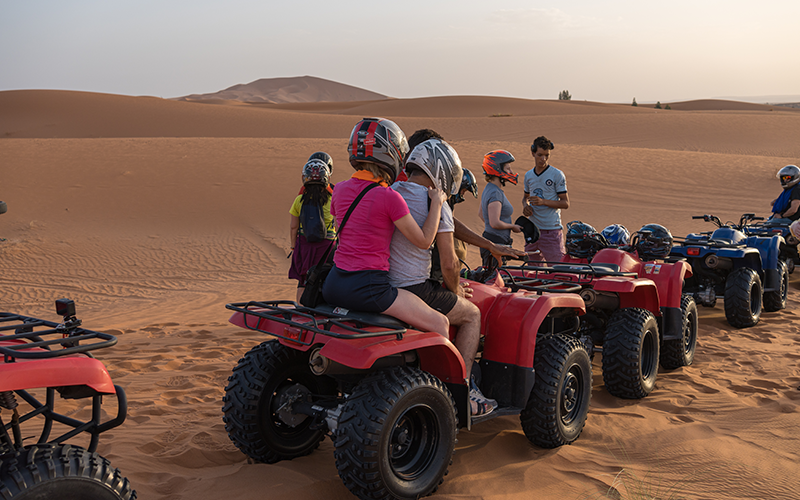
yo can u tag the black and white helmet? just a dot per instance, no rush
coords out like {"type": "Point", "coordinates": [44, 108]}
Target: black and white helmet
{"type": "Point", "coordinates": [652, 241]}
{"type": "Point", "coordinates": [440, 162]}
{"type": "Point", "coordinates": [469, 183]}
{"type": "Point", "coordinates": [316, 172]}
{"type": "Point", "coordinates": [379, 141]}
{"type": "Point", "coordinates": [789, 176]}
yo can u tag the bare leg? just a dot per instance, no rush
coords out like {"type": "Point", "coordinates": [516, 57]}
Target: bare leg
{"type": "Point", "coordinates": [467, 317]}
{"type": "Point", "coordinates": [411, 309]}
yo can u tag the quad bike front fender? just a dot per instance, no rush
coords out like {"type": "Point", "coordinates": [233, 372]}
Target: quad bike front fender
{"type": "Point", "coordinates": [636, 292]}
{"type": "Point", "coordinates": [668, 278]}
{"type": "Point", "coordinates": [512, 322]}
{"type": "Point", "coordinates": [66, 371]}
{"type": "Point", "coordinates": [769, 248]}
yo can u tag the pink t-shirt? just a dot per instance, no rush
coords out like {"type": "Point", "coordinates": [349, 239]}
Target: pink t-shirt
{"type": "Point", "coordinates": [364, 244]}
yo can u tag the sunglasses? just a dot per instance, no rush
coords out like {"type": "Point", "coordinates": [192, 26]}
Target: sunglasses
{"type": "Point", "coordinates": [786, 178]}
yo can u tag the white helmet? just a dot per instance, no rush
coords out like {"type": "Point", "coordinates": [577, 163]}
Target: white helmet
{"type": "Point", "coordinates": [440, 162]}
{"type": "Point", "coordinates": [789, 176]}
{"type": "Point", "coordinates": [794, 228]}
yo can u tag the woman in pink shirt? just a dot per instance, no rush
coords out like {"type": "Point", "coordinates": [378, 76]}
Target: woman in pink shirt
{"type": "Point", "coordinates": [359, 279]}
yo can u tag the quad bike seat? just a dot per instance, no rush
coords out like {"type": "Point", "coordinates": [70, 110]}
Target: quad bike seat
{"type": "Point", "coordinates": [368, 317]}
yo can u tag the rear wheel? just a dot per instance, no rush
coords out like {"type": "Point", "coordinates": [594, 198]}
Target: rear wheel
{"type": "Point", "coordinates": [776, 300]}
{"type": "Point", "coordinates": [631, 353]}
{"type": "Point", "coordinates": [258, 402]}
{"type": "Point", "coordinates": [559, 402]}
{"type": "Point", "coordinates": [61, 471]}
{"type": "Point", "coordinates": [743, 294]}
{"type": "Point", "coordinates": [680, 352]}
{"type": "Point", "coordinates": [396, 435]}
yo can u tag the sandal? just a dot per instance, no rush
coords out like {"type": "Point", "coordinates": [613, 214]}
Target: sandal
{"type": "Point", "coordinates": [475, 394]}
{"type": "Point", "coordinates": [483, 408]}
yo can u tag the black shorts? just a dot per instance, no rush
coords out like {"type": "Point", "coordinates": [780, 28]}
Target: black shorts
{"type": "Point", "coordinates": [367, 291]}
{"type": "Point", "coordinates": [435, 295]}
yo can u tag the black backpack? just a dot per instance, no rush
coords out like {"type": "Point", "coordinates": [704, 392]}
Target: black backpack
{"type": "Point", "coordinates": [312, 221]}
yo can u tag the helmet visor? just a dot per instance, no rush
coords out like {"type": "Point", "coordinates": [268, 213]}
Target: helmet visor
{"type": "Point", "coordinates": [786, 178]}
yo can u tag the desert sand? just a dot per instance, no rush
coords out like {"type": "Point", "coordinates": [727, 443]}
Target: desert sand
{"type": "Point", "coordinates": [153, 214]}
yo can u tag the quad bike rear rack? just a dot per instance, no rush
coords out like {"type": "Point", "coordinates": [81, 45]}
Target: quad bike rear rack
{"type": "Point", "coordinates": [35, 339]}
{"type": "Point", "coordinates": [31, 341]}
{"type": "Point", "coordinates": [314, 320]}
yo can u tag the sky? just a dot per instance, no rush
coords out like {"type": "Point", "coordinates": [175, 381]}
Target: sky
{"type": "Point", "coordinates": [607, 51]}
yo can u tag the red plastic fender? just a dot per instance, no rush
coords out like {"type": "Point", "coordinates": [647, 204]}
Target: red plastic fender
{"type": "Point", "coordinates": [668, 277]}
{"type": "Point", "coordinates": [55, 372]}
{"type": "Point", "coordinates": [438, 356]}
{"type": "Point", "coordinates": [633, 292]}
{"type": "Point", "coordinates": [511, 323]}
{"type": "Point", "coordinates": [627, 263]}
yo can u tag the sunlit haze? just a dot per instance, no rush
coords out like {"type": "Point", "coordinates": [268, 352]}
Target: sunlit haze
{"type": "Point", "coordinates": [609, 51]}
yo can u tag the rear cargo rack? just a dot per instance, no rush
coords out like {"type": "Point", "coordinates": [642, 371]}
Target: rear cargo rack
{"type": "Point", "coordinates": [35, 338]}
{"type": "Point", "coordinates": [314, 320]}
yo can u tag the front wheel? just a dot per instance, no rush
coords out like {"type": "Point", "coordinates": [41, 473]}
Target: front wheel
{"type": "Point", "coordinates": [61, 471]}
{"type": "Point", "coordinates": [680, 352]}
{"type": "Point", "coordinates": [743, 294]}
{"type": "Point", "coordinates": [776, 299]}
{"type": "Point", "coordinates": [559, 402]}
{"type": "Point", "coordinates": [631, 353]}
{"type": "Point", "coordinates": [396, 435]}
{"type": "Point", "coordinates": [258, 403]}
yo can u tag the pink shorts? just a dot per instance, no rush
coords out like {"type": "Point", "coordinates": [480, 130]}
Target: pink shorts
{"type": "Point", "coordinates": [550, 244]}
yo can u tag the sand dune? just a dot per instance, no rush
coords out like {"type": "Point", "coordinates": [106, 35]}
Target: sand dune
{"type": "Point", "coordinates": [152, 214]}
{"type": "Point", "coordinates": [297, 89]}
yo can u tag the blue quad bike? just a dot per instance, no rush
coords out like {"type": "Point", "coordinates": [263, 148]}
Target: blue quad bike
{"type": "Point", "coordinates": [771, 227]}
{"type": "Point", "coordinates": [747, 272]}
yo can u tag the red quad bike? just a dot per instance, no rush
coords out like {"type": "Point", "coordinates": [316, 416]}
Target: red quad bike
{"type": "Point", "coordinates": [635, 310]}
{"type": "Point", "coordinates": [40, 356]}
{"type": "Point", "coordinates": [392, 398]}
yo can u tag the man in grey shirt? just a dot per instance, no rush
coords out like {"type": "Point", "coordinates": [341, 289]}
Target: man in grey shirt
{"type": "Point", "coordinates": [435, 163]}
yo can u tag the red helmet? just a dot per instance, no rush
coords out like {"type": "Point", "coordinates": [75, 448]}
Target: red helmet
{"type": "Point", "coordinates": [379, 141]}
{"type": "Point", "coordinates": [494, 163]}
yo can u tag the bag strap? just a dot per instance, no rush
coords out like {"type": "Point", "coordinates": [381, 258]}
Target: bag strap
{"type": "Point", "coordinates": [353, 205]}
{"type": "Point", "coordinates": [372, 185]}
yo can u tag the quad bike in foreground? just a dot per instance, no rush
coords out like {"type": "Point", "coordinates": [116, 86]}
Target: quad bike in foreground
{"type": "Point", "coordinates": [392, 398]}
{"type": "Point", "coordinates": [636, 312]}
{"type": "Point", "coordinates": [40, 355]}
{"type": "Point", "coordinates": [746, 271]}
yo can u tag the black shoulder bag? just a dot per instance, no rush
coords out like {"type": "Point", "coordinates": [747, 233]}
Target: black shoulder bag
{"type": "Point", "coordinates": [315, 277]}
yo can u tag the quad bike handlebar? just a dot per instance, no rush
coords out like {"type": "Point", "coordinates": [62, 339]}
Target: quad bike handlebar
{"type": "Point", "coordinates": [744, 220]}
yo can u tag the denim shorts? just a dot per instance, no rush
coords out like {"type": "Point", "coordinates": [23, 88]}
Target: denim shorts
{"type": "Point", "coordinates": [435, 295]}
{"type": "Point", "coordinates": [367, 291]}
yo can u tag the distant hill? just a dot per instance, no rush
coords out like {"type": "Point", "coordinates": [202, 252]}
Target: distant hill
{"type": "Point", "coordinates": [289, 90]}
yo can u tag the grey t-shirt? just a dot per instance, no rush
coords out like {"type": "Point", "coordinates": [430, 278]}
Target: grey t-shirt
{"type": "Point", "coordinates": [492, 193]}
{"type": "Point", "coordinates": [548, 185]}
{"type": "Point", "coordinates": [408, 264]}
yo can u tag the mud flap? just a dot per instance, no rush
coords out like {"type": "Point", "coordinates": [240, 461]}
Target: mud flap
{"type": "Point", "coordinates": [672, 323]}
{"type": "Point", "coordinates": [510, 385]}
{"type": "Point", "coordinates": [461, 396]}
{"type": "Point", "coordinates": [772, 280]}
